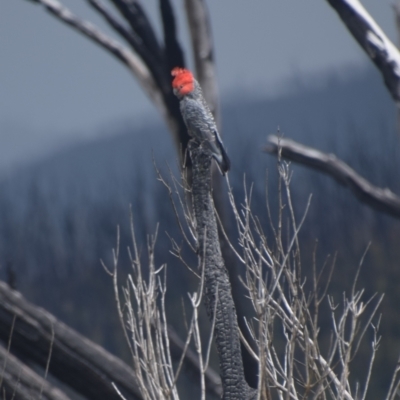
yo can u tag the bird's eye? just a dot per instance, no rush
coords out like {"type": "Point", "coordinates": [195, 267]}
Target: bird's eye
{"type": "Point", "coordinates": [180, 87]}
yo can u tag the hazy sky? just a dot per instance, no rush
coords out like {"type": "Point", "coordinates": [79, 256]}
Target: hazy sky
{"type": "Point", "coordinates": [57, 87]}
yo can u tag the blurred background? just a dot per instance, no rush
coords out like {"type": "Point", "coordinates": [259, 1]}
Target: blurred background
{"type": "Point", "coordinates": [78, 138]}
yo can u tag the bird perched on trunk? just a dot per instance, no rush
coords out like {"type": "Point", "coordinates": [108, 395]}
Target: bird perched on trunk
{"type": "Point", "coordinates": [197, 116]}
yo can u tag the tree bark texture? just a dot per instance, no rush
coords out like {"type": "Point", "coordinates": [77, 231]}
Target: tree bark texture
{"type": "Point", "coordinates": [75, 360]}
{"type": "Point", "coordinates": [217, 288]}
{"type": "Point", "coordinates": [380, 199]}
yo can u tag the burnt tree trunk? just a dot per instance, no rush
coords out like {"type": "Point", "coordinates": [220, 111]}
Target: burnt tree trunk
{"type": "Point", "coordinates": [217, 288]}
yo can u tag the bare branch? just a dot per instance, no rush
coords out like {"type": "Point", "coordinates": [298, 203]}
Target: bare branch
{"type": "Point", "coordinates": [123, 54]}
{"type": "Point", "coordinates": [213, 381]}
{"type": "Point", "coordinates": [380, 199]}
{"type": "Point", "coordinates": [154, 65]}
{"type": "Point", "coordinates": [203, 51]}
{"type": "Point", "coordinates": [144, 42]}
{"type": "Point", "coordinates": [373, 40]}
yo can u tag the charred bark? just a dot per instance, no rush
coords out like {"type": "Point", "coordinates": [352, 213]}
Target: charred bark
{"type": "Point", "coordinates": [217, 288]}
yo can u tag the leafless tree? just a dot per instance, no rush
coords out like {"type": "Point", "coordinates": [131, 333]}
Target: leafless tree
{"type": "Point", "coordinates": [150, 61]}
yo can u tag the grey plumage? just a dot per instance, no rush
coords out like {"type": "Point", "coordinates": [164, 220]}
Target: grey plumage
{"type": "Point", "coordinates": [201, 124]}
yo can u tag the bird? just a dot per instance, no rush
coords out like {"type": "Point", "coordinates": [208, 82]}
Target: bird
{"type": "Point", "coordinates": [197, 116]}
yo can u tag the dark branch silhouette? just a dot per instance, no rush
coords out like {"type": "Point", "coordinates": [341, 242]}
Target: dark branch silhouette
{"type": "Point", "coordinates": [380, 199]}
{"type": "Point", "coordinates": [173, 50]}
{"type": "Point", "coordinates": [136, 17]}
{"type": "Point", "coordinates": [130, 37]}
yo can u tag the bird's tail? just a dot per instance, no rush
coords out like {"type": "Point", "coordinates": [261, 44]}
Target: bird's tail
{"type": "Point", "coordinates": [218, 152]}
{"type": "Point", "coordinates": [220, 156]}
{"type": "Point", "coordinates": [223, 161]}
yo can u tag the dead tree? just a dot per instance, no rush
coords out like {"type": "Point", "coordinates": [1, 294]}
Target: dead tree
{"type": "Point", "coordinates": [150, 62]}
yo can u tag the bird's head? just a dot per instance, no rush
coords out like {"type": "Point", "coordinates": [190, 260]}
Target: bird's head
{"type": "Point", "coordinates": [183, 82]}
